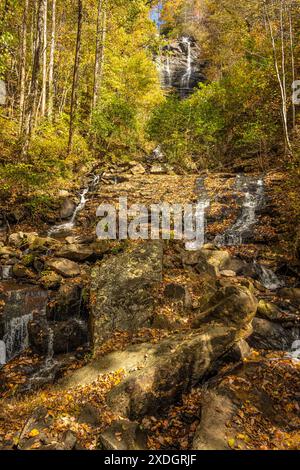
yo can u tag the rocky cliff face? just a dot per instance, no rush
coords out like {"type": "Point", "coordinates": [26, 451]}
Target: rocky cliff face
{"type": "Point", "coordinates": [181, 66]}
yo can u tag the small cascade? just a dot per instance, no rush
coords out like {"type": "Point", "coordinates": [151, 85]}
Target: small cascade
{"type": "Point", "coordinates": [267, 277]}
{"type": "Point", "coordinates": [2, 353]}
{"type": "Point", "coordinates": [202, 204]}
{"type": "Point", "coordinates": [185, 81]}
{"type": "Point", "coordinates": [16, 337]}
{"type": "Point", "coordinates": [68, 226]}
{"type": "Point", "coordinates": [294, 353]}
{"type": "Point", "coordinates": [5, 273]}
{"type": "Point", "coordinates": [253, 190]}
{"type": "Point", "coordinates": [168, 72]}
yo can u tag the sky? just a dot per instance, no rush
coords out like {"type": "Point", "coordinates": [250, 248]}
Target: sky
{"type": "Point", "coordinates": [155, 14]}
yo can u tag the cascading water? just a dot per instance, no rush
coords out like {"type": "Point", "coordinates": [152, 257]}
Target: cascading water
{"type": "Point", "coordinates": [16, 337]}
{"type": "Point", "coordinates": [185, 81]}
{"type": "Point", "coordinates": [202, 204]}
{"type": "Point", "coordinates": [65, 227]}
{"type": "Point", "coordinates": [253, 190]}
{"type": "Point", "coordinates": [267, 277]}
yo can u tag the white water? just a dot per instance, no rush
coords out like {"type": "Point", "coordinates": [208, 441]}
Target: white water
{"type": "Point", "coordinates": [267, 277]}
{"type": "Point", "coordinates": [168, 72]}
{"type": "Point", "coordinates": [185, 81]}
{"type": "Point", "coordinates": [253, 199]}
{"type": "Point", "coordinates": [16, 337]}
{"type": "Point", "coordinates": [65, 227]}
{"type": "Point", "coordinates": [6, 272]}
{"type": "Point", "coordinates": [2, 353]}
{"type": "Point", "coordinates": [202, 204]}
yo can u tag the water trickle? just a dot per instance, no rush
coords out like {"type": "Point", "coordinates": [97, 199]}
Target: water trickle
{"type": "Point", "coordinates": [253, 190]}
{"type": "Point", "coordinates": [186, 79]}
{"type": "Point", "coordinates": [2, 353]}
{"type": "Point", "coordinates": [16, 337]}
{"type": "Point", "coordinates": [267, 277]}
{"type": "Point", "coordinates": [6, 272]}
{"type": "Point", "coordinates": [202, 204]}
{"type": "Point", "coordinates": [295, 350]}
{"type": "Point", "coordinates": [68, 226]}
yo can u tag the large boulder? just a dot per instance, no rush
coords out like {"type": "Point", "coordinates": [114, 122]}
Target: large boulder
{"type": "Point", "coordinates": [230, 305]}
{"type": "Point", "coordinates": [270, 336]}
{"type": "Point", "coordinates": [271, 312]}
{"type": "Point", "coordinates": [212, 261]}
{"type": "Point", "coordinates": [121, 291]}
{"type": "Point", "coordinates": [123, 435]}
{"type": "Point", "coordinates": [173, 367]}
{"type": "Point", "coordinates": [64, 267]}
{"type": "Point", "coordinates": [66, 303]}
{"type": "Point", "coordinates": [67, 208]}
{"type": "Point", "coordinates": [75, 252]}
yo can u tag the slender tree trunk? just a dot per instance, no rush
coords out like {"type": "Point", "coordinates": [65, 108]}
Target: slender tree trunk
{"type": "Point", "coordinates": [280, 82]}
{"type": "Point", "coordinates": [292, 59]}
{"type": "Point", "coordinates": [44, 82]}
{"type": "Point", "coordinates": [74, 97]}
{"type": "Point", "coordinates": [51, 62]}
{"type": "Point", "coordinates": [99, 52]}
{"type": "Point", "coordinates": [23, 63]}
{"type": "Point", "coordinates": [34, 85]}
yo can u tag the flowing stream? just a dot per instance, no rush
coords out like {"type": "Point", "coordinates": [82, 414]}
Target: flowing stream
{"type": "Point", "coordinates": [68, 226]}
{"type": "Point", "coordinates": [185, 81]}
{"type": "Point", "coordinates": [254, 199]}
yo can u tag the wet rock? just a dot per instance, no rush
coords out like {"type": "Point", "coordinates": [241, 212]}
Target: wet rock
{"type": "Point", "coordinates": [270, 336]}
{"type": "Point", "coordinates": [67, 209]}
{"type": "Point", "coordinates": [66, 303]}
{"type": "Point", "coordinates": [164, 322]}
{"type": "Point", "coordinates": [64, 267]}
{"type": "Point", "coordinates": [123, 435]}
{"type": "Point", "coordinates": [271, 312]}
{"type": "Point", "coordinates": [121, 290]}
{"type": "Point", "coordinates": [75, 252]}
{"type": "Point", "coordinates": [229, 304]}
{"type": "Point", "coordinates": [67, 336]}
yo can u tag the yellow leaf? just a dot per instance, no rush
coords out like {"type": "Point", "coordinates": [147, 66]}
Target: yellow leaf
{"type": "Point", "coordinates": [34, 433]}
{"type": "Point", "coordinates": [231, 443]}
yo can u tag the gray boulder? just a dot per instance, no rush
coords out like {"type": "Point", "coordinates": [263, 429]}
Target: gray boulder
{"type": "Point", "coordinates": [121, 296]}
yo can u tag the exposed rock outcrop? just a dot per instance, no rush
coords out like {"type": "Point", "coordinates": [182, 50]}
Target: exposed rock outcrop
{"type": "Point", "coordinates": [121, 296]}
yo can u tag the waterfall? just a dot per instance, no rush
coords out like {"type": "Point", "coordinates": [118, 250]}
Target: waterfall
{"type": "Point", "coordinates": [202, 204]}
{"type": "Point", "coordinates": [185, 81]}
{"type": "Point", "coordinates": [65, 227]}
{"type": "Point", "coordinates": [16, 337]}
{"type": "Point", "coordinates": [267, 277]}
{"type": "Point", "coordinates": [168, 72]}
{"type": "Point", "coordinates": [253, 199]}
{"type": "Point", "coordinates": [2, 353]}
{"type": "Point", "coordinates": [6, 272]}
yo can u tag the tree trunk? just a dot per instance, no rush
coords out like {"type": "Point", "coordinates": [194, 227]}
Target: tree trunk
{"type": "Point", "coordinates": [44, 82]}
{"type": "Point", "coordinates": [34, 85]}
{"type": "Point", "coordinates": [74, 97]}
{"type": "Point", "coordinates": [51, 62]}
{"type": "Point", "coordinates": [98, 53]}
{"type": "Point", "coordinates": [23, 64]}
{"type": "Point", "coordinates": [281, 81]}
